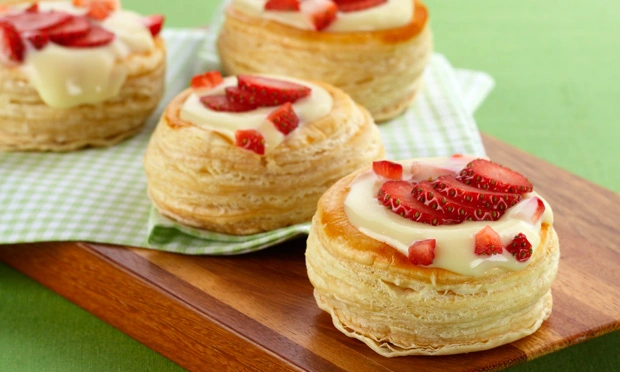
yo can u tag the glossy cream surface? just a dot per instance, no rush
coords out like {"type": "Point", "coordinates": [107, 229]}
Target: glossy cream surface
{"type": "Point", "coordinates": [68, 77]}
{"type": "Point", "coordinates": [392, 14]}
{"type": "Point", "coordinates": [313, 107]}
{"type": "Point", "coordinates": [454, 249]}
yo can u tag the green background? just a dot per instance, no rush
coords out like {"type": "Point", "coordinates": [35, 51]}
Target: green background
{"type": "Point", "coordinates": [556, 65]}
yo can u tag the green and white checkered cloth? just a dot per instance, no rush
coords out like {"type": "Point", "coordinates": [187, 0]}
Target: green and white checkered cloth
{"type": "Point", "coordinates": [99, 195]}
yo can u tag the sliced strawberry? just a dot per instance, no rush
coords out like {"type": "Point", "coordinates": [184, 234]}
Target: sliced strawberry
{"type": "Point", "coordinates": [154, 23]}
{"type": "Point", "coordinates": [357, 5]}
{"type": "Point", "coordinates": [76, 27]}
{"type": "Point", "coordinates": [487, 242]}
{"type": "Point", "coordinates": [98, 9]}
{"type": "Point", "coordinates": [11, 43]}
{"type": "Point", "coordinates": [96, 36]}
{"type": "Point", "coordinates": [530, 209]}
{"type": "Point", "coordinates": [236, 94]}
{"type": "Point", "coordinates": [250, 139]}
{"type": "Point", "coordinates": [321, 13]}
{"type": "Point", "coordinates": [38, 39]}
{"type": "Point", "coordinates": [33, 8]}
{"type": "Point", "coordinates": [282, 5]}
{"type": "Point", "coordinates": [388, 169]}
{"type": "Point", "coordinates": [421, 171]}
{"type": "Point", "coordinates": [203, 83]}
{"type": "Point", "coordinates": [425, 193]}
{"type": "Point", "coordinates": [36, 21]}
{"type": "Point", "coordinates": [284, 118]}
{"type": "Point", "coordinates": [422, 252]}
{"type": "Point", "coordinates": [484, 174]}
{"type": "Point", "coordinates": [520, 248]}
{"type": "Point", "coordinates": [396, 195]}
{"type": "Point", "coordinates": [451, 187]}
{"type": "Point", "coordinates": [221, 103]}
{"type": "Point", "coordinates": [270, 91]}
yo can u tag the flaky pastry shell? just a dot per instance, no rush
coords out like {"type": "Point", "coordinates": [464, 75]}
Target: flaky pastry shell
{"type": "Point", "coordinates": [373, 293]}
{"type": "Point", "coordinates": [28, 124]}
{"type": "Point", "coordinates": [381, 70]}
{"type": "Point", "coordinates": [199, 178]}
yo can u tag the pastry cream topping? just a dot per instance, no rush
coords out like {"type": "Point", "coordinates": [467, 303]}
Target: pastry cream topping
{"type": "Point", "coordinates": [391, 14]}
{"type": "Point", "coordinates": [318, 104]}
{"type": "Point", "coordinates": [67, 77]}
{"type": "Point", "coordinates": [454, 249]}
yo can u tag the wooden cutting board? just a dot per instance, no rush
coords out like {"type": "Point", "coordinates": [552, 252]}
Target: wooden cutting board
{"type": "Point", "coordinates": [256, 311]}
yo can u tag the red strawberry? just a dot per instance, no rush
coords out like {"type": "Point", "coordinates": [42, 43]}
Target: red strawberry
{"type": "Point", "coordinates": [65, 33]}
{"type": "Point", "coordinates": [34, 21]}
{"type": "Point", "coordinates": [38, 39]}
{"type": "Point", "coordinates": [520, 248]}
{"type": "Point", "coordinates": [425, 193]}
{"type": "Point", "coordinates": [459, 191]}
{"type": "Point", "coordinates": [484, 174]}
{"type": "Point", "coordinates": [270, 91]}
{"type": "Point", "coordinates": [11, 43]}
{"type": "Point", "coordinates": [33, 8]}
{"type": "Point", "coordinates": [388, 169]}
{"type": "Point", "coordinates": [250, 139]}
{"type": "Point", "coordinates": [203, 83]}
{"type": "Point", "coordinates": [282, 5]}
{"type": "Point", "coordinates": [96, 36]}
{"type": "Point", "coordinates": [422, 252]}
{"type": "Point", "coordinates": [487, 242]}
{"type": "Point", "coordinates": [422, 171]}
{"type": "Point", "coordinates": [396, 195]}
{"type": "Point", "coordinates": [221, 103]}
{"type": "Point", "coordinates": [320, 12]}
{"type": "Point", "coordinates": [530, 209]}
{"type": "Point", "coordinates": [154, 23]}
{"type": "Point", "coordinates": [356, 5]}
{"type": "Point", "coordinates": [236, 94]}
{"type": "Point", "coordinates": [284, 118]}
{"type": "Point", "coordinates": [98, 9]}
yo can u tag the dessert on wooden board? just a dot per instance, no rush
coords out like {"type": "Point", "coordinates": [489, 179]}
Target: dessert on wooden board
{"type": "Point", "coordinates": [252, 153]}
{"type": "Point", "coordinates": [375, 50]}
{"type": "Point", "coordinates": [433, 256]}
{"type": "Point", "coordinates": [76, 73]}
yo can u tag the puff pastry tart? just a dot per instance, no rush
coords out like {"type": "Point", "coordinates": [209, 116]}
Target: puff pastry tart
{"type": "Point", "coordinates": [76, 74]}
{"type": "Point", "coordinates": [375, 50]}
{"type": "Point", "coordinates": [253, 153]}
{"type": "Point", "coordinates": [433, 256]}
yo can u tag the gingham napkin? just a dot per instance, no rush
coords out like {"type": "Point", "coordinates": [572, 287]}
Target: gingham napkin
{"type": "Point", "coordinates": [99, 195]}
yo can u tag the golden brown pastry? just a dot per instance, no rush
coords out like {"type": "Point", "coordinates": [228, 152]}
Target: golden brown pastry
{"type": "Point", "coordinates": [201, 177]}
{"type": "Point", "coordinates": [89, 80]}
{"type": "Point", "coordinates": [380, 69]}
{"type": "Point", "coordinates": [397, 301]}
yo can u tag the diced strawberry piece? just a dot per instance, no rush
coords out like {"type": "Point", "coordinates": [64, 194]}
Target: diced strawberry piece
{"type": "Point", "coordinates": [221, 103]}
{"type": "Point", "coordinates": [487, 242]}
{"type": "Point", "coordinates": [451, 187]}
{"type": "Point", "coordinates": [530, 209]}
{"type": "Point", "coordinates": [520, 248]}
{"type": "Point", "coordinates": [11, 43]}
{"type": "Point", "coordinates": [96, 36]}
{"type": "Point", "coordinates": [357, 5]}
{"type": "Point", "coordinates": [321, 13]}
{"type": "Point", "coordinates": [425, 193]}
{"type": "Point", "coordinates": [154, 23]}
{"type": "Point", "coordinates": [396, 195]}
{"type": "Point", "coordinates": [421, 171]}
{"type": "Point", "coordinates": [98, 9]}
{"type": "Point", "coordinates": [203, 83]}
{"type": "Point", "coordinates": [65, 33]}
{"type": "Point", "coordinates": [422, 252]}
{"type": "Point", "coordinates": [282, 5]}
{"type": "Point", "coordinates": [38, 39]}
{"type": "Point", "coordinates": [484, 174]}
{"type": "Point", "coordinates": [272, 92]}
{"type": "Point", "coordinates": [33, 8]}
{"type": "Point", "coordinates": [37, 21]}
{"type": "Point", "coordinates": [388, 169]}
{"type": "Point", "coordinates": [284, 118]}
{"type": "Point", "coordinates": [250, 139]}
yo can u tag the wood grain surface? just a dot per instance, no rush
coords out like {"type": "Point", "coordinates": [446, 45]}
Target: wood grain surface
{"type": "Point", "coordinates": [256, 311]}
